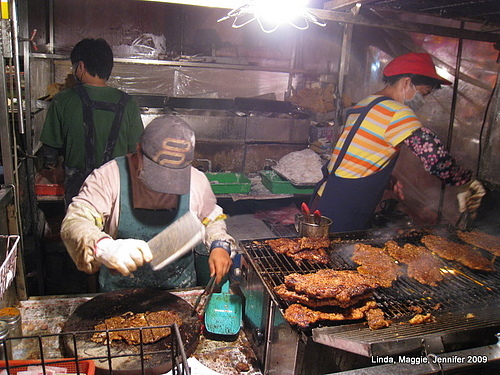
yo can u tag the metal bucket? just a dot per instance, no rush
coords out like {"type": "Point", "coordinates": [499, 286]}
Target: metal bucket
{"type": "Point", "coordinates": [308, 226]}
{"type": "Point", "coordinates": [201, 255]}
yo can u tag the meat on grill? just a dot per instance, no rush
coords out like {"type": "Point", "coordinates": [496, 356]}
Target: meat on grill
{"type": "Point", "coordinates": [304, 248]}
{"type": "Point", "coordinates": [303, 316]}
{"type": "Point", "coordinates": [291, 296]}
{"type": "Point", "coordinates": [376, 319]}
{"type": "Point", "coordinates": [323, 284]}
{"type": "Point", "coordinates": [463, 254]}
{"type": "Point", "coordinates": [319, 256]}
{"type": "Point", "coordinates": [137, 320]}
{"type": "Point", "coordinates": [376, 262]}
{"type": "Point", "coordinates": [421, 319]}
{"type": "Point", "coordinates": [421, 264]}
{"type": "Point", "coordinates": [480, 239]}
{"type": "Point", "coordinates": [284, 245]}
{"type": "Point", "coordinates": [314, 242]}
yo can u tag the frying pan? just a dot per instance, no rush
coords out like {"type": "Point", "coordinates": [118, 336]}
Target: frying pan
{"type": "Point", "coordinates": [223, 314]}
{"type": "Point", "coordinates": [125, 358]}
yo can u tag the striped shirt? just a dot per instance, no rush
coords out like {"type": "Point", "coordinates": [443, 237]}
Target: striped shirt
{"type": "Point", "coordinates": [385, 126]}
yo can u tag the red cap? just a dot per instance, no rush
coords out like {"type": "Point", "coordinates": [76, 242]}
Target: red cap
{"type": "Point", "coordinates": [414, 63]}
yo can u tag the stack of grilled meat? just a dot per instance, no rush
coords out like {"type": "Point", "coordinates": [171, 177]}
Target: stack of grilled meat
{"type": "Point", "coordinates": [330, 295]}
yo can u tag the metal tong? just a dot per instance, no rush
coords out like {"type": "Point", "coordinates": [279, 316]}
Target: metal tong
{"type": "Point", "coordinates": [315, 218]}
{"type": "Point", "coordinates": [206, 292]}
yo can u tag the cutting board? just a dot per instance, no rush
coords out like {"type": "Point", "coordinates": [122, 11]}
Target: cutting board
{"type": "Point", "coordinates": [157, 356]}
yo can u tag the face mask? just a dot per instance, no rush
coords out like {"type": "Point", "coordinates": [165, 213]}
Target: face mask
{"type": "Point", "coordinates": [74, 68]}
{"type": "Point", "coordinates": [416, 102]}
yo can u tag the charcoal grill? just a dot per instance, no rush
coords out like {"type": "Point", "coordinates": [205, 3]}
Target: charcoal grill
{"type": "Point", "coordinates": [465, 306]}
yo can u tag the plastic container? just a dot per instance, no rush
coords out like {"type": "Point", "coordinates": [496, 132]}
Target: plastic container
{"type": "Point", "coordinates": [49, 189]}
{"type": "Point", "coordinates": [48, 183]}
{"type": "Point", "coordinates": [278, 185]}
{"type": "Point", "coordinates": [223, 315]}
{"type": "Point", "coordinates": [229, 183]}
{"type": "Point", "coordinates": [86, 367]}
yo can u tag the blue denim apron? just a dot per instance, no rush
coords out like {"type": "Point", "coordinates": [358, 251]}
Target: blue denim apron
{"type": "Point", "coordinates": [144, 224]}
{"type": "Point", "coordinates": [350, 202]}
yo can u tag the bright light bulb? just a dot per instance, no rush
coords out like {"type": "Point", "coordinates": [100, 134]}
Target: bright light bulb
{"type": "Point", "coordinates": [279, 11]}
{"type": "Point", "coordinates": [270, 14]}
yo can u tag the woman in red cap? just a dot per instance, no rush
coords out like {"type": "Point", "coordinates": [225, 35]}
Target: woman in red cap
{"type": "Point", "coordinates": [367, 150]}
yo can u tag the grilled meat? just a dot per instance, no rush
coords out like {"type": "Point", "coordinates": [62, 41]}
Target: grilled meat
{"type": "Point", "coordinates": [161, 318]}
{"type": "Point", "coordinates": [376, 319]}
{"type": "Point", "coordinates": [416, 309]}
{"type": "Point", "coordinates": [376, 262]}
{"type": "Point", "coordinates": [292, 296]}
{"type": "Point", "coordinates": [303, 316]}
{"type": "Point", "coordinates": [283, 245]}
{"type": "Point", "coordinates": [421, 319]}
{"type": "Point", "coordinates": [304, 248]}
{"type": "Point", "coordinates": [457, 252]}
{"type": "Point", "coordinates": [401, 254]}
{"type": "Point", "coordinates": [314, 242]}
{"type": "Point", "coordinates": [319, 256]}
{"type": "Point", "coordinates": [483, 240]}
{"type": "Point", "coordinates": [425, 270]}
{"type": "Point", "coordinates": [421, 264]}
{"type": "Point", "coordinates": [328, 283]}
{"type": "Point", "coordinates": [138, 320]}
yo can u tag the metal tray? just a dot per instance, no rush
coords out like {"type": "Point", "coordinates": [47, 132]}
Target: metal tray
{"type": "Point", "coordinates": [292, 181]}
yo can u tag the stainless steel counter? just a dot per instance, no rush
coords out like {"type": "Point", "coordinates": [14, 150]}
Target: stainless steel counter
{"type": "Point", "coordinates": [47, 315]}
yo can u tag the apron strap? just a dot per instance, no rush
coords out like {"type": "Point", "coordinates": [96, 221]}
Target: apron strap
{"type": "Point", "coordinates": [115, 128]}
{"type": "Point", "coordinates": [363, 111]}
{"type": "Point", "coordinates": [88, 105]}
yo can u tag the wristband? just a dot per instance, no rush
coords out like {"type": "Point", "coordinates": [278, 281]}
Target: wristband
{"type": "Point", "coordinates": [220, 243]}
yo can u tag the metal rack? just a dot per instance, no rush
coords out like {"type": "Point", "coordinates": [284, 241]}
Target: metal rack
{"type": "Point", "coordinates": [462, 286]}
{"type": "Point", "coordinates": [174, 351]}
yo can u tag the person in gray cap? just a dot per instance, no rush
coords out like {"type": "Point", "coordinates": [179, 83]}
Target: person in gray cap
{"type": "Point", "coordinates": [132, 198]}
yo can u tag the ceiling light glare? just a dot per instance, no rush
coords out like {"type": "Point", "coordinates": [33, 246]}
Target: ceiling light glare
{"type": "Point", "coordinates": [270, 14]}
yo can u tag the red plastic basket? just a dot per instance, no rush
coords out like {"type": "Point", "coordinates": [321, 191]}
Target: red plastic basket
{"type": "Point", "coordinates": [84, 366]}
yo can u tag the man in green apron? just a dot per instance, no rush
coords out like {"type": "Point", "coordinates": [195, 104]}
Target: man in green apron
{"type": "Point", "coordinates": [129, 200]}
{"type": "Point", "coordinates": [90, 123]}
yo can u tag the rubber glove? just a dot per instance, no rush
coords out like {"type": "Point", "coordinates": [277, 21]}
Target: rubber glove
{"type": "Point", "coordinates": [470, 200]}
{"type": "Point", "coordinates": [125, 255]}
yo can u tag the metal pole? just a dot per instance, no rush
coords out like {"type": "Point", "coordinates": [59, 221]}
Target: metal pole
{"type": "Point", "coordinates": [15, 38]}
{"type": "Point", "coordinates": [452, 117]}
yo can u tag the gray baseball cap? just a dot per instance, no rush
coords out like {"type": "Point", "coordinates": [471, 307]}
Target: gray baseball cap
{"type": "Point", "coordinates": [168, 150]}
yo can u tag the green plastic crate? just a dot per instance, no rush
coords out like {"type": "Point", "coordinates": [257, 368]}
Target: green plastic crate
{"type": "Point", "coordinates": [229, 183]}
{"type": "Point", "coordinates": [278, 185]}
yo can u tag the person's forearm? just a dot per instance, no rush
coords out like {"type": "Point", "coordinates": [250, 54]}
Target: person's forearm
{"type": "Point", "coordinates": [435, 158]}
{"type": "Point", "coordinates": [216, 228]}
{"type": "Point", "coordinates": [81, 228]}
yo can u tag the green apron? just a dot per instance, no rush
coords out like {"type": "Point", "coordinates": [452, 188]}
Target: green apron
{"type": "Point", "coordinates": [144, 224]}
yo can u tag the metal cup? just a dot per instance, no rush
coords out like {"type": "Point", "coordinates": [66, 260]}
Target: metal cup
{"type": "Point", "coordinates": [308, 226]}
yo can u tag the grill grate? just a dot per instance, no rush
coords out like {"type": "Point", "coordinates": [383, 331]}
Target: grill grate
{"type": "Point", "coordinates": [463, 287]}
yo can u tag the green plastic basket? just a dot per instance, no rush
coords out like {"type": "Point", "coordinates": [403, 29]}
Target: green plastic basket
{"type": "Point", "coordinates": [229, 183]}
{"type": "Point", "coordinates": [278, 185]}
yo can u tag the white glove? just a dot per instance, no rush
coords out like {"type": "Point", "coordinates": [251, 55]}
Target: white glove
{"type": "Point", "coordinates": [470, 200]}
{"type": "Point", "coordinates": [123, 255]}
